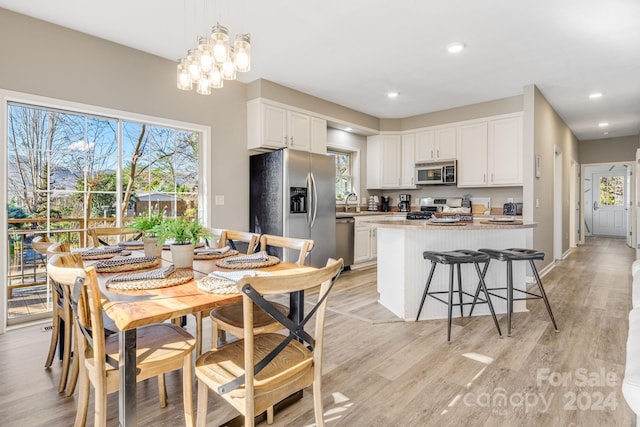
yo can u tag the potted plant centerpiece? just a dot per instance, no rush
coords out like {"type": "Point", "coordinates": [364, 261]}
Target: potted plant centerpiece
{"type": "Point", "coordinates": [184, 235]}
{"type": "Point", "coordinates": [147, 224]}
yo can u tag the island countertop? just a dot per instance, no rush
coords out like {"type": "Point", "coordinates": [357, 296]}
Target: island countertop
{"type": "Point", "coordinates": [477, 224]}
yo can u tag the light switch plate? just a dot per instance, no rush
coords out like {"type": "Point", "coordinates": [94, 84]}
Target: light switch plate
{"type": "Point", "coordinates": [219, 200]}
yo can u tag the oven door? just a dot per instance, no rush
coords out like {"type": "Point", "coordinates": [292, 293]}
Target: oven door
{"type": "Point", "coordinates": [429, 175]}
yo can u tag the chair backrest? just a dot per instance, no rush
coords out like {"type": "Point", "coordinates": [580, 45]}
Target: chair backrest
{"type": "Point", "coordinates": [100, 235]}
{"type": "Point", "coordinates": [304, 246]}
{"type": "Point", "coordinates": [253, 290]}
{"type": "Point", "coordinates": [41, 244]}
{"type": "Point", "coordinates": [57, 248]}
{"type": "Point", "coordinates": [80, 286]}
{"type": "Point", "coordinates": [229, 237]}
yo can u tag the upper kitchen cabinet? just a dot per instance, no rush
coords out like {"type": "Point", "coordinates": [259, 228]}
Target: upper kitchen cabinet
{"type": "Point", "coordinates": [384, 161]}
{"type": "Point", "coordinates": [408, 175]}
{"type": "Point", "coordinates": [435, 145]}
{"type": "Point", "coordinates": [490, 153]}
{"type": "Point", "coordinates": [271, 127]}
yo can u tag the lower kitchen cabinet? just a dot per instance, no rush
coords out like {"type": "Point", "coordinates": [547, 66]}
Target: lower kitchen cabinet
{"type": "Point", "coordinates": [365, 242]}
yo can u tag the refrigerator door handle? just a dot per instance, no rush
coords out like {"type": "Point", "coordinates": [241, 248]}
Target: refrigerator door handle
{"type": "Point", "coordinates": [309, 200]}
{"type": "Point", "coordinates": [315, 199]}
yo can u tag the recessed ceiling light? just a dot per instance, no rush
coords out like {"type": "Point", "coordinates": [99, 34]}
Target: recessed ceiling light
{"type": "Point", "coordinates": [595, 95]}
{"type": "Point", "coordinates": [603, 124]}
{"type": "Point", "coordinates": [455, 47]}
{"type": "Point", "coordinates": [348, 129]}
{"type": "Point", "coordinates": [393, 94]}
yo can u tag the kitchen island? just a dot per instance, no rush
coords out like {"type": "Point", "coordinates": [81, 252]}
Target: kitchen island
{"type": "Point", "coordinates": [402, 270]}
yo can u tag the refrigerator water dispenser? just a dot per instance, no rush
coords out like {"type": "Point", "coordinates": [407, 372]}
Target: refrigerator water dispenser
{"type": "Point", "coordinates": [298, 199]}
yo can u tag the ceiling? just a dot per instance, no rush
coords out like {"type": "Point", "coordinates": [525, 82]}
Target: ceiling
{"type": "Point", "coordinates": [354, 52]}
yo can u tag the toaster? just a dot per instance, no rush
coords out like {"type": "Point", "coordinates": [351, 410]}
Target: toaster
{"type": "Point", "coordinates": [512, 209]}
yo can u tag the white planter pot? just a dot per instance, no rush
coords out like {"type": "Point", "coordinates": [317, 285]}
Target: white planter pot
{"type": "Point", "coordinates": [151, 248]}
{"type": "Point", "coordinates": [182, 255]}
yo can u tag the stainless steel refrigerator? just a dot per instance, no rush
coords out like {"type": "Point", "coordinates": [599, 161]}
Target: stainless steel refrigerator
{"type": "Point", "coordinates": [293, 194]}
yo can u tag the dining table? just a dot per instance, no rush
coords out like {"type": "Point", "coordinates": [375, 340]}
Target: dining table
{"type": "Point", "coordinates": [130, 309]}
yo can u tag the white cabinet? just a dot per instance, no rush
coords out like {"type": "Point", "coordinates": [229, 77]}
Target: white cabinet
{"type": "Point", "coordinates": [365, 247]}
{"type": "Point", "coordinates": [490, 153]}
{"type": "Point", "coordinates": [318, 135]}
{"type": "Point", "coordinates": [384, 164]}
{"type": "Point", "coordinates": [435, 145]}
{"type": "Point", "coordinates": [273, 126]}
{"type": "Point", "coordinates": [472, 155]}
{"type": "Point", "coordinates": [407, 177]}
{"type": "Point", "coordinates": [505, 151]}
{"type": "Point", "coordinates": [391, 161]}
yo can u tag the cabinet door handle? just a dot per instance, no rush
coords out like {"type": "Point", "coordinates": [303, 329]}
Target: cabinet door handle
{"type": "Point", "coordinates": [432, 154]}
{"type": "Point", "coordinates": [412, 181]}
{"type": "Point", "coordinates": [492, 177]}
{"type": "Point", "coordinates": [484, 177]}
{"type": "Point", "coordinates": [438, 153]}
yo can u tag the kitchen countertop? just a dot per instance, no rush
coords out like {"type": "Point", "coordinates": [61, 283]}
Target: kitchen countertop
{"type": "Point", "coordinates": [427, 225]}
{"type": "Point", "coordinates": [366, 213]}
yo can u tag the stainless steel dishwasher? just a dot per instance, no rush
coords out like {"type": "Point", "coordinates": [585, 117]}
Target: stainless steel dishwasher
{"type": "Point", "coordinates": [344, 240]}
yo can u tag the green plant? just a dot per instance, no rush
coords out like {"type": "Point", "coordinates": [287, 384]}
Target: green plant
{"type": "Point", "coordinates": [181, 230]}
{"type": "Point", "coordinates": [146, 223]}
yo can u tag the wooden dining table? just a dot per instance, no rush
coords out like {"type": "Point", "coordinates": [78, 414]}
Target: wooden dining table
{"type": "Point", "coordinates": [134, 308]}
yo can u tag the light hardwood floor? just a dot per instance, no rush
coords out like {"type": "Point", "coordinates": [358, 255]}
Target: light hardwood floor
{"type": "Point", "coordinates": [382, 372]}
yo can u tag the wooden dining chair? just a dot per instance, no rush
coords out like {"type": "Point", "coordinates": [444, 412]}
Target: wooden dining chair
{"type": "Point", "coordinates": [229, 318]}
{"type": "Point", "coordinates": [162, 347]}
{"type": "Point", "coordinates": [101, 235]}
{"type": "Point", "coordinates": [62, 326]}
{"type": "Point", "coordinates": [303, 246]}
{"type": "Point", "coordinates": [283, 365]}
{"type": "Point", "coordinates": [227, 238]}
{"type": "Point", "coordinates": [40, 244]}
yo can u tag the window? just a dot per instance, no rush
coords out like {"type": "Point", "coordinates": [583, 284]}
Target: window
{"type": "Point", "coordinates": [344, 173]}
{"type": "Point", "coordinates": [612, 190]}
{"type": "Point", "coordinates": [68, 171]}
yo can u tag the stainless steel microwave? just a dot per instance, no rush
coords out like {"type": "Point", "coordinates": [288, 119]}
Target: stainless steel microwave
{"type": "Point", "coordinates": [436, 173]}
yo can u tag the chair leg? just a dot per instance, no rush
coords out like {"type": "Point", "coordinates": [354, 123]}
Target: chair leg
{"type": "Point", "coordinates": [270, 413]}
{"type": "Point", "coordinates": [75, 369]}
{"type": "Point", "coordinates": [543, 294]}
{"type": "Point", "coordinates": [100, 397]}
{"type": "Point", "coordinates": [162, 391]}
{"type": "Point", "coordinates": [203, 396]}
{"type": "Point", "coordinates": [486, 295]}
{"type": "Point", "coordinates": [318, 408]}
{"type": "Point", "coordinates": [426, 288]}
{"type": "Point", "coordinates": [66, 356]}
{"type": "Point", "coordinates": [460, 291]}
{"type": "Point", "coordinates": [198, 317]}
{"type": "Point", "coordinates": [450, 304]}
{"type": "Point", "coordinates": [475, 297]}
{"type": "Point", "coordinates": [83, 398]}
{"type": "Point", "coordinates": [54, 338]}
{"type": "Point", "coordinates": [509, 295]}
{"type": "Point", "coordinates": [187, 391]}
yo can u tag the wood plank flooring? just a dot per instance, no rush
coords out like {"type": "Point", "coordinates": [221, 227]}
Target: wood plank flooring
{"type": "Point", "coordinates": [383, 372]}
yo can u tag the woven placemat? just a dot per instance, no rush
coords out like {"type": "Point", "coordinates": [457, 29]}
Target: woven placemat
{"type": "Point", "coordinates": [178, 277]}
{"type": "Point", "coordinates": [502, 222]}
{"type": "Point", "coordinates": [271, 260]}
{"type": "Point", "coordinates": [215, 285]}
{"type": "Point", "coordinates": [230, 252]}
{"type": "Point", "coordinates": [131, 244]}
{"type": "Point", "coordinates": [126, 264]}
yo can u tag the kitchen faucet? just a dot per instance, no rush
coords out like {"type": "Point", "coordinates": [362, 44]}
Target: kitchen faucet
{"type": "Point", "coordinates": [346, 201]}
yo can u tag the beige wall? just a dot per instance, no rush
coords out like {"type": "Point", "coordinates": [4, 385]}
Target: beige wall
{"type": "Point", "coordinates": [544, 132]}
{"type": "Point", "coordinates": [467, 112]}
{"type": "Point", "coordinates": [52, 61]}
{"type": "Point", "coordinates": [608, 150]}
{"type": "Point", "coordinates": [275, 92]}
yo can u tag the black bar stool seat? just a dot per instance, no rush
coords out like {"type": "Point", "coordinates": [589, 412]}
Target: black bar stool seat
{"type": "Point", "coordinates": [508, 256]}
{"type": "Point", "coordinates": [457, 258]}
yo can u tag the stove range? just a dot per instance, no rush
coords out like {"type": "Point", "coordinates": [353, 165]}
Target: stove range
{"type": "Point", "coordinates": [419, 215]}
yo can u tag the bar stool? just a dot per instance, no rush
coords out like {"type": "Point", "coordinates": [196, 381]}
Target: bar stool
{"type": "Point", "coordinates": [457, 258]}
{"type": "Point", "coordinates": [510, 255]}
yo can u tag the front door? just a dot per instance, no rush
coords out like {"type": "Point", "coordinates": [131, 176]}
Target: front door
{"type": "Point", "coordinates": [609, 210]}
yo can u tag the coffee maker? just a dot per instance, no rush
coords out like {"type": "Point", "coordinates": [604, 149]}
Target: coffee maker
{"type": "Point", "coordinates": [386, 200]}
{"type": "Point", "coordinates": [405, 202]}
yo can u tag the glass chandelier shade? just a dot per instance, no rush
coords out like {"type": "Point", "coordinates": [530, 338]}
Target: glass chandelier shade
{"type": "Point", "coordinates": [214, 60]}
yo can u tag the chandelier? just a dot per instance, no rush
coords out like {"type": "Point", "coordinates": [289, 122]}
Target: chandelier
{"type": "Point", "coordinates": [214, 60]}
